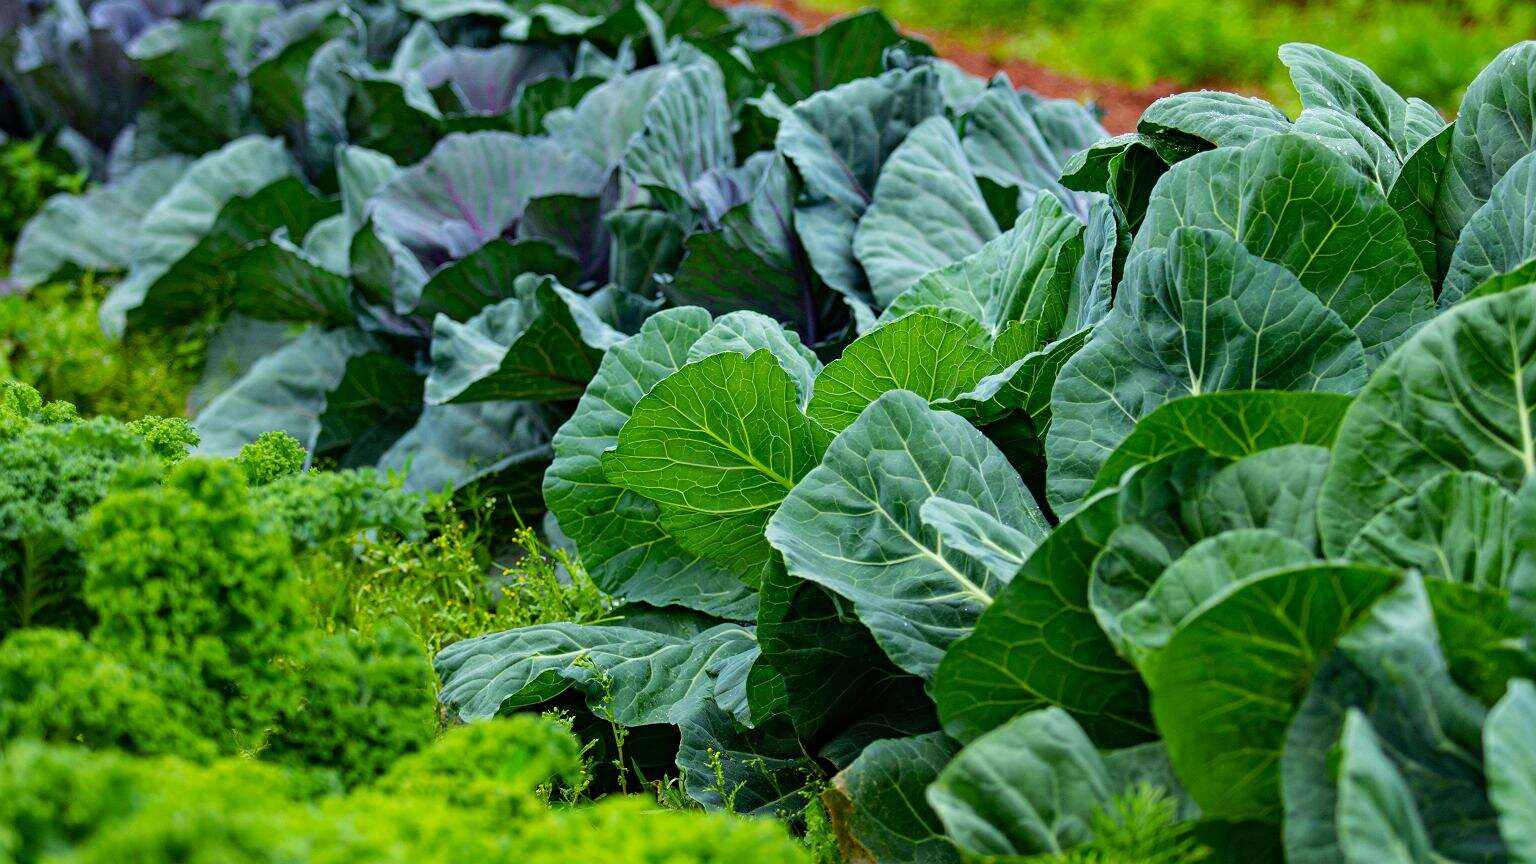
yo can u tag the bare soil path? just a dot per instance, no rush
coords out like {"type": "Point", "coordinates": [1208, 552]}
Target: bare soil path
{"type": "Point", "coordinates": [1121, 105]}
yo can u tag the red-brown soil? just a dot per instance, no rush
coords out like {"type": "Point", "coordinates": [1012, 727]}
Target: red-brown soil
{"type": "Point", "coordinates": [1121, 105]}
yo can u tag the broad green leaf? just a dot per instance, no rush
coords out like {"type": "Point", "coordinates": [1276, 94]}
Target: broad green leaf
{"type": "Point", "coordinates": [286, 390]}
{"type": "Point", "coordinates": [1456, 397]}
{"type": "Point", "coordinates": [1498, 238]}
{"type": "Point", "coordinates": [94, 231]}
{"type": "Point", "coordinates": [1347, 247]}
{"type": "Point", "coordinates": [1228, 425]}
{"type": "Point", "coordinates": [756, 261]}
{"type": "Point", "coordinates": [1350, 138]}
{"type": "Point", "coordinates": [472, 188]}
{"type": "Point", "coordinates": [192, 65]}
{"type": "Point", "coordinates": [1028, 787]}
{"type": "Point", "coordinates": [1486, 642]}
{"type": "Point", "coordinates": [1510, 753]}
{"type": "Point", "coordinates": [1275, 489]}
{"type": "Point", "coordinates": [718, 445]}
{"type": "Point", "coordinates": [602, 124]}
{"type": "Point", "coordinates": [277, 281]}
{"type": "Point", "coordinates": [1024, 274]}
{"type": "Point", "coordinates": [1212, 118]}
{"type": "Point", "coordinates": [1413, 196]}
{"type": "Point", "coordinates": [858, 531]}
{"type": "Point", "coordinates": [619, 533]}
{"type": "Point", "coordinates": [830, 673]}
{"type": "Point", "coordinates": [838, 140]}
{"type": "Point", "coordinates": [1455, 527]}
{"type": "Point", "coordinates": [646, 243]}
{"type": "Point", "coordinates": [1328, 80]}
{"type": "Point", "coordinates": [462, 289]}
{"type": "Point", "coordinates": [653, 677]}
{"type": "Point", "coordinates": [1125, 169]}
{"type": "Point", "coordinates": [877, 805]}
{"type": "Point", "coordinates": [544, 342]}
{"type": "Point", "coordinates": [1039, 645]}
{"type": "Point", "coordinates": [1494, 130]}
{"type": "Point", "coordinates": [1378, 821]}
{"type": "Point", "coordinates": [1207, 569]}
{"type": "Point", "coordinates": [849, 49]}
{"type": "Point", "coordinates": [1006, 142]}
{"type": "Point", "coordinates": [684, 133]}
{"type": "Point", "coordinates": [454, 445]}
{"type": "Point", "coordinates": [926, 212]}
{"type": "Point", "coordinates": [746, 333]}
{"type": "Point", "coordinates": [764, 771]}
{"type": "Point", "coordinates": [1230, 678]}
{"type": "Point", "coordinates": [1000, 548]}
{"type": "Point", "coordinates": [184, 215]}
{"type": "Point", "coordinates": [1390, 667]}
{"type": "Point", "coordinates": [935, 356]}
{"type": "Point", "coordinates": [1203, 316]}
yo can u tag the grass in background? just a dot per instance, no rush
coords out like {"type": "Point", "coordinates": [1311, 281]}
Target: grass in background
{"type": "Point", "coordinates": [1426, 48]}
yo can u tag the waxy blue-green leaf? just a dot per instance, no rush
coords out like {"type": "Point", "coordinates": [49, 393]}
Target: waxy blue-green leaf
{"type": "Point", "coordinates": [618, 532]}
{"type": "Point", "coordinates": [544, 342]}
{"type": "Point", "coordinates": [877, 807]}
{"type": "Point", "coordinates": [1028, 787]}
{"type": "Point", "coordinates": [1212, 118]}
{"type": "Point", "coordinates": [764, 771]}
{"type": "Point", "coordinates": [848, 49]}
{"type": "Point", "coordinates": [1494, 129]}
{"type": "Point", "coordinates": [936, 356]}
{"type": "Point", "coordinates": [94, 231]}
{"type": "Point", "coordinates": [602, 124]}
{"type": "Point", "coordinates": [286, 390]}
{"type": "Point", "coordinates": [653, 677]}
{"type": "Point", "coordinates": [822, 669]}
{"type": "Point", "coordinates": [1024, 274]}
{"type": "Point", "coordinates": [472, 188]}
{"type": "Point", "coordinates": [1001, 548]}
{"type": "Point", "coordinates": [1351, 139]}
{"type": "Point", "coordinates": [1413, 197]}
{"type": "Point", "coordinates": [184, 215]}
{"type": "Point", "coordinates": [1227, 425]}
{"type": "Point", "coordinates": [1390, 667]}
{"type": "Point", "coordinates": [838, 140]}
{"type": "Point", "coordinates": [1511, 759]}
{"type": "Point", "coordinates": [1208, 568]}
{"type": "Point", "coordinates": [1454, 527]}
{"type": "Point", "coordinates": [926, 212]}
{"type": "Point", "coordinates": [1275, 489]}
{"type": "Point", "coordinates": [853, 525]}
{"type": "Point", "coordinates": [1324, 79]}
{"type": "Point", "coordinates": [1456, 397]}
{"type": "Point", "coordinates": [746, 333]}
{"type": "Point", "coordinates": [718, 445]}
{"type": "Point", "coordinates": [1202, 316]}
{"type": "Point", "coordinates": [463, 288]}
{"type": "Point", "coordinates": [454, 445]}
{"type": "Point", "coordinates": [1039, 644]}
{"type": "Point", "coordinates": [1498, 237]}
{"type": "Point", "coordinates": [278, 281]}
{"type": "Point", "coordinates": [1294, 202]}
{"type": "Point", "coordinates": [1378, 820]}
{"type": "Point", "coordinates": [1011, 139]}
{"type": "Point", "coordinates": [685, 132]}
{"type": "Point", "coordinates": [1226, 685]}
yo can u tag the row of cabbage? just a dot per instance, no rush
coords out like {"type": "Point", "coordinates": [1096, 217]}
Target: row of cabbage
{"type": "Point", "coordinates": [1211, 474]}
{"type": "Point", "coordinates": [955, 453]}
